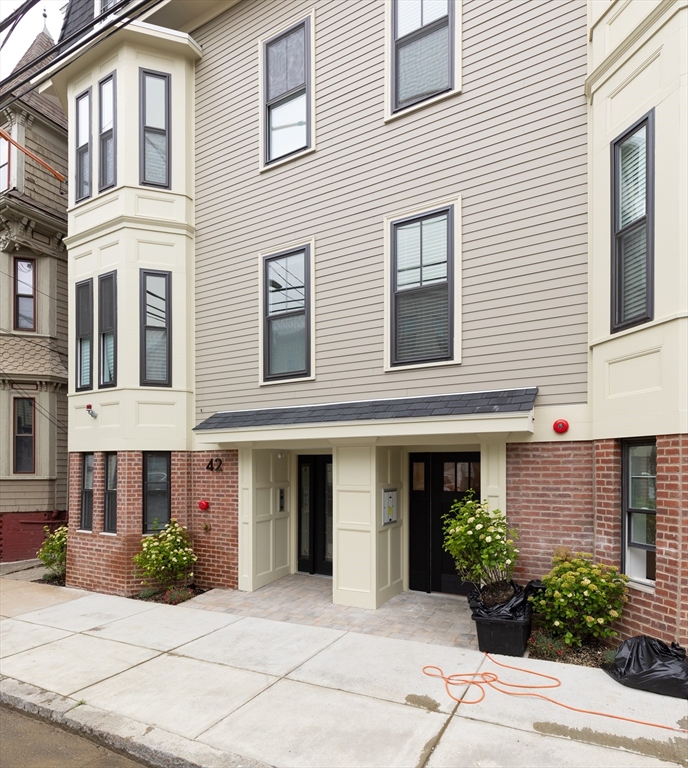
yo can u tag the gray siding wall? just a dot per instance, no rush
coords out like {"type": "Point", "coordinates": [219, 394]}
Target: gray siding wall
{"type": "Point", "coordinates": [512, 144]}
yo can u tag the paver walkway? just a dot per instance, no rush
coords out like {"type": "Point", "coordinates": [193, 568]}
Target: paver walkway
{"type": "Point", "coordinates": [303, 599]}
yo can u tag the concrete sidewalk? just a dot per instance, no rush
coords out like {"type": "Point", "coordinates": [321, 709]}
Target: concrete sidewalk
{"type": "Point", "coordinates": [187, 687]}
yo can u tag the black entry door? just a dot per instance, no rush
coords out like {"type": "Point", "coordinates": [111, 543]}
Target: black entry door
{"type": "Point", "coordinates": [315, 514]}
{"type": "Point", "coordinates": [437, 480]}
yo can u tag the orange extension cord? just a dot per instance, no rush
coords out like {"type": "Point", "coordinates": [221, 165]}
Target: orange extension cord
{"type": "Point", "coordinates": [481, 679]}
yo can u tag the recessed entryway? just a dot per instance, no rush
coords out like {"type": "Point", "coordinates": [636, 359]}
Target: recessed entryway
{"type": "Point", "coordinates": [315, 534]}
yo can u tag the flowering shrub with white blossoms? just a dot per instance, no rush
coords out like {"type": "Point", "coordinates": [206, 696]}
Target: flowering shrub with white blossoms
{"type": "Point", "coordinates": [583, 599]}
{"type": "Point", "coordinates": [166, 558]}
{"type": "Point", "coordinates": [478, 539]}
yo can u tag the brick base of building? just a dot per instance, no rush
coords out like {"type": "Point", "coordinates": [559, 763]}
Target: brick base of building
{"type": "Point", "coordinates": [22, 533]}
{"type": "Point", "coordinates": [569, 494]}
{"type": "Point", "coordinates": [104, 561]}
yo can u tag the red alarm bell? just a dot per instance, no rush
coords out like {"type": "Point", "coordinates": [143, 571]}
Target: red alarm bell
{"type": "Point", "coordinates": [560, 426]}
{"type": "Point", "coordinates": [203, 505]}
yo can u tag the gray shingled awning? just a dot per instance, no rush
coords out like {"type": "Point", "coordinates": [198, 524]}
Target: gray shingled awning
{"type": "Point", "coordinates": [508, 401]}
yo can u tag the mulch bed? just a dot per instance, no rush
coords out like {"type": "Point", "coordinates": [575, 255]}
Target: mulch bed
{"type": "Point", "coordinates": [56, 581]}
{"type": "Point", "coordinates": [172, 596]}
{"type": "Point", "coordinates": [593, 653]}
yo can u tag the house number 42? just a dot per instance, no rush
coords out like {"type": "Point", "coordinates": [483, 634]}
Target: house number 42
{"type": "Point", "coordinates": [214, 465]}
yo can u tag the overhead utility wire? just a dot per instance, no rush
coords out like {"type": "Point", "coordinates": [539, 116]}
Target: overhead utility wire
{"type": "Point", "coordinates": [18, 388]}
{"type": "Point", "coordinates": [17, 14]}
{"type": "Point", "coordinates": [38, 341]}
{"type": "Point", "coordinates": [119, 23]}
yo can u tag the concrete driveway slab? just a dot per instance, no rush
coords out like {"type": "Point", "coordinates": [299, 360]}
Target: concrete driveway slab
{"type": "Point", "coordinates": [589, 689]}
{"type": "Point", "coordinates": [67, 665]}
{"type": "Point", "coordinates": [294, 724]}
{"type": "Point", "coordinates": [17, 636]}
{"type": "Point", "coordinates": [483, 745]}
{"type": "Point", "coordinates": [270, 647]}
{"type": "Point", "coordinates": [387, 669]}
{"type": "Point", "coordinates": [20, 597]}
{"type": "Point", "coordinates": [88, 612]}
{"type": "Point", "coordinates": [163, 627]}
{"type": "Point", "coordinates": [184, 696]}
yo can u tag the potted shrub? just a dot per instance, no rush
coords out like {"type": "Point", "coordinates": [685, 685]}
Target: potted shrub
{"type": "Point", "coordinates": [484, 552]}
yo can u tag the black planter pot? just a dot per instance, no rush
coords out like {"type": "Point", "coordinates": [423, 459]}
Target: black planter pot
{"type": "Point", "coordinates": [506, 636]}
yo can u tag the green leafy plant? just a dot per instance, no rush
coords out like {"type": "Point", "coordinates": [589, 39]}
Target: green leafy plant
{"type": "Point", "coordinates": [176, 595]}
{"type": "Point", "coordinates": [582, 599]}
{"type": "Point", "coordinates": [53, 552]}
{"type": "Point", "coordinates": [543, 645]}
{"type": "Point", "coordinates": [166, 558]}
{"type": "Point", "coordinates": [480, 542]}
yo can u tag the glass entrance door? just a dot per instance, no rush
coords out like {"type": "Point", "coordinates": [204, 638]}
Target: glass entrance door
{"type": "Point", "coordinates": [437, 481]}
{"type": "Point", "coordinates": [315, 514]}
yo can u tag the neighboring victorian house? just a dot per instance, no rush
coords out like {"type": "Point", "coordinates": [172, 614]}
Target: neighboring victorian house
{"type": "Point", "coordinates": [334, 263]}
{"type": "Point", "coordinates": [33, 313]}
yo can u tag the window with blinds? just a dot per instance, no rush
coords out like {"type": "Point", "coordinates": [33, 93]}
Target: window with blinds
{"type": "Point", "coordinates": [83, 146]}
{"type": "Point", "coordinates": [423, 50]}
{"type": "Point", "coordinates": [155, 129]}
{"type": "Point", "coordinates": [633, 220]}
{"type": "Point", "coordinates": [286, 300]}
{"type": "Point", "coordinates": [86, 518]}
{"type": "Point", "coordinates": [422, 300]}
{"type": "Point", "coordinates": [24, 435]}
{"type": "Point", "coordinates": [286, 97]}
{"type": "Point", "coordinates": [156, 329]}
{"type": "Point", "coordinates": [107, 329]}
{"type": "Point", "coordinates": [84, 334]}
{"type": "Point", "coordinates": [106, 130]}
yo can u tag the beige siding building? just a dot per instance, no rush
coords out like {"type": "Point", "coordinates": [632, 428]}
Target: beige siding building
{"type": "Point", "coordinates": [33, 314]}
{"type": "Point", "coordinates": [362, 264]}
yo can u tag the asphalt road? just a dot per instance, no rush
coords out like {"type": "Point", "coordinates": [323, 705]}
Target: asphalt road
{"type": "Point", "coordinates": [26, 742]}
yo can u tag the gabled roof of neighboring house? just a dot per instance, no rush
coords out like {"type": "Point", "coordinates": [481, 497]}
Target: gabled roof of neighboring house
{"type": "Point", "coordinates": [461, 404]}
{"type": "Point", "coordinates": [39, 102]}
{"type": "Point", "coordinates": [30, 356]}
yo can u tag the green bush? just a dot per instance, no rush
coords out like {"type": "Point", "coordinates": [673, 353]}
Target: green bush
{"type": "Point", "coordinates": [479, 541]}
{"type": "Point", "coordinates": [53, 553]}
{"type": "Point", "coordinates": [582, 599]}
{"type": "Point", "coordinates": [166, 558]}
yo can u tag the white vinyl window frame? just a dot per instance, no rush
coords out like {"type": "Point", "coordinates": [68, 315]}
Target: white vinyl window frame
{"type": "Point", "coordinates": [263, 164]}
{"type": "Point", "coordinates": [307, 244]}
{"type": "Point", "coordinates": [390, 111]}
{"type": "Point", "coordinates": [455, 286]}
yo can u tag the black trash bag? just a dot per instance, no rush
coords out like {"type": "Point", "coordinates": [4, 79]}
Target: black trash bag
{"type": "Point", "coordinates": [649, 664]}
{"type": "Point", "coordinates": [517, 609]}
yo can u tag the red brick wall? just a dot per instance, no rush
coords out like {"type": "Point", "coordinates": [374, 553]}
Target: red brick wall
{"type": "Point", "coordinates": [103, 562]}
{"type": "Point", "coordinates": [550, 501]}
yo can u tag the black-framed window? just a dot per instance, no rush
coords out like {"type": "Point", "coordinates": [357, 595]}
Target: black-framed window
{"type": "Point", "coordinates": [25, 294]}
{"type": "Point", "coordinates": [287, 321]}
{"type": "Point", "coordinates": [4, 165]}
{"type": "Point", "coordinates": [83, 146]}
{"type": "Point", "coordinates": [107, 132]}
{"type": "Point", "coordinates": [286, 95]}
{"type": "Point", "coordinates": [110, 521]}
{"type": "Point", "coordinates": [422, 50]}
{"type": "Point", "coordinates": [156, 491]}
{"type": "Point", "coordinates": [154, 165]}
{"type": "Point", "coordinates": [84, 334]}
{"type": "Point", "coordinates": [24, 436]}
{"type": "Point", "coordinates": [422, 288]}
{"type": "Point", "coordinates": [639, 500]}
{"type": "Point", "coordinates": [633, 225]}
{"type": "Point", "coordinates": [107, 329]}
{"type": "Point", "coordinates": [86, 521]}
{"type": "Point", "coordinates": [156, 328]}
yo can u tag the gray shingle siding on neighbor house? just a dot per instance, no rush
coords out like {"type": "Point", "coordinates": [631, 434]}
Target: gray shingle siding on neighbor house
{"type": "Point", "coordinates": [464, 404]}
{"type": "Point", "coordinates": [513, 144]}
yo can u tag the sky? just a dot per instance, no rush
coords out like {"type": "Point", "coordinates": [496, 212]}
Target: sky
{"type": "Point", "coordinates": [27, 29]}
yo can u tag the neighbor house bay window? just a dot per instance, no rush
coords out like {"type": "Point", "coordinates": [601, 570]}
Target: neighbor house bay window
{"type": "Point", "coordinates": [154, 129]}
{"type": "Point", "coordinates": [156, 328]}
{"type": "Point", "coordinates": [25, 294]}
{"type": "Point", "coordinates": [106, 133]}
{"type": "Point", "coordinates": [633, 225]}
{"type": "Point", "coordinates": [84, 334]}
{"type": "Point", "coordinates": [423, 50]}
{"type": "Point", "coordinates": [640, 508]}
{"type": "Point", "coordinates": [156, 491]}
{"type": "Point", "coordinates": [86, 522]}
{"type": "Point", "coordinates": [422, 300]}
{"type": "Point", "coordinates": [287, 98]}
{"type": "Point", "coordinates": [83, 146]}
{"type": "Point", "coordinates": [287, 315]}
{"type": "Point", "coordinates": [107, 328]}
{"type": "Point", "coordinates": [24, 436]}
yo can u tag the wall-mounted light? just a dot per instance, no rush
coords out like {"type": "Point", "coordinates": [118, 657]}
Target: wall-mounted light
{"type": "Point", "coordinates": [91, 412]}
